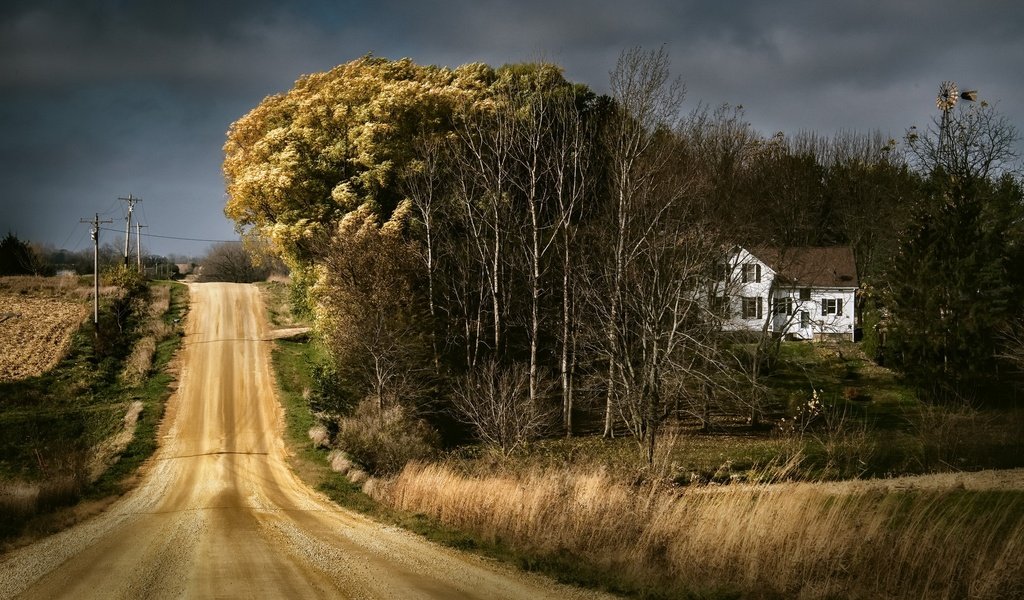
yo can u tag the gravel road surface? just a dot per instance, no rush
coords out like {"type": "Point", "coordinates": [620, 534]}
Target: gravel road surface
{"type": "Point", "coordinates": [220, 515]}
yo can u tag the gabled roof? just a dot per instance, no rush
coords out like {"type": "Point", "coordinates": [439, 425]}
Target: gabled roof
{"type": "Point", "coordinates": [831, 266]}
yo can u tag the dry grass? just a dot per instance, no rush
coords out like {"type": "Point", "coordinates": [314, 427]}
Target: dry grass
{"type": "Point", "coordinates": [138, 363]}
{"type": "Point", "coordinates": [159, 301]}
{"type": "Point", "coordinates": [25, 499]}
{"type": "Point", "coordinates": [799, 540]}
{"type": "Point", "coordinates": [319, 435]}
{"type": "Point", "coordinates": [48, 287]}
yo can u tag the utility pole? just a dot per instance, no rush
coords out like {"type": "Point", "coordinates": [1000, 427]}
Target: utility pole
{"type": "Point", "coordinates": [131, 200]}
{"type": "Point", "coordinates": [95, 222]}
{"type": "Point", "coordinates": [138, 243]}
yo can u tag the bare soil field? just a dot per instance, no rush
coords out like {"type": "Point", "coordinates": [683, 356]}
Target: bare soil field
{"type": "Point", "coordinates": [35, 333]}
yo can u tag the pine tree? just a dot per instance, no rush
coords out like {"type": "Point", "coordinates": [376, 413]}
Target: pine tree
{"type": "Point", "coordinates": [16, 256]}
{"type": "Point", "coordinates": [954, 285]}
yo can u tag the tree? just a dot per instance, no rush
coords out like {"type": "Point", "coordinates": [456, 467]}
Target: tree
{"type": "Point", "coordinates": [955, 282]}
{"type": "Point", "coordinates": [17, 257]}
{"type": "Point", "coordinates": [298, 162]}
{"type": "Point", "coordinates": [426, 183]}
{"type": "Point", "coordinates": [971, 143]}
{"type": "Point", "coordinates": [368, 306]}
{"type": "Point", "coordinates": [646, 104]}
{"type": "Point", "coordinates": [229, 261]}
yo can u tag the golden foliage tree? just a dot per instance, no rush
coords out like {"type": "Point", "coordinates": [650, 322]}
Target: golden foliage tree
{"type": "Point", "coordinates": [301, 160]}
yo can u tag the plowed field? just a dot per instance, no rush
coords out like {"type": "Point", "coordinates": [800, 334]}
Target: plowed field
{"type": "Point", "coordinates": [35, 333]}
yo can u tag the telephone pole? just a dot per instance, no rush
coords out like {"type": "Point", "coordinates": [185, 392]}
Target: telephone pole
{"type": "Point", "coordinates": [131, 200]}
{"type": "Point", "coordinates": [138, 243]}
{"type": "Point", "coordinates": [95, 222]}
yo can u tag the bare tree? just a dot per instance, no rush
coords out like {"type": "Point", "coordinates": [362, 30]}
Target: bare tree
{"type": "Point", "coordinates": [975, 142]}
{"type": "Point", "coordinates": [483, 183]}
{"type": "Point", "coordinates": [571, 169]}
{"type": "Point", "coordinates": [647, 103]}
{"type": "Point", "coordinates": [229, 261]}
{"type": "Point", "coordinates": [495, 402]}
{"type": "Point", "coordinates": [425, 182]}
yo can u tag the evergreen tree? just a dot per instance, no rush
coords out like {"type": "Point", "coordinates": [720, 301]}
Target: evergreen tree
{"type": "Point", "coordinates": [954, 284]}
{"type": "Point", "coordinates": [16, 256]}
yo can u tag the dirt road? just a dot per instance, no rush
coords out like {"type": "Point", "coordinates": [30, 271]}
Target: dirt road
{"type": "Point", "coordinates": [220, 515]}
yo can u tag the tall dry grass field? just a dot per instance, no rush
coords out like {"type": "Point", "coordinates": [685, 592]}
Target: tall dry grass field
{"type": "Point", "coordinates": [799, 540]}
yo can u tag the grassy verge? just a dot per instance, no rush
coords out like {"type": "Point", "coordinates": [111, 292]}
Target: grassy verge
{"type": "Point", "coordinates": [153, 393]}
{"type": "Point", "coordinates": [52, 425]}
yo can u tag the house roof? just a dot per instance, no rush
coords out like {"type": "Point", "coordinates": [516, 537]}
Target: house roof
{"type": "Point", "coordinates": [831, 266]}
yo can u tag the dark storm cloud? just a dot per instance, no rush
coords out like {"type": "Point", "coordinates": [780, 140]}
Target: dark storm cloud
{"type": "Point", "coordinates": [209, 44]}
{"type": "Point", "coordinates": [106, 97]}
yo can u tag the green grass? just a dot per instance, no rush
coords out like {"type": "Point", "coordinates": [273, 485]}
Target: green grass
{"type": "Point", "coordinates": [844, 376]}
{"type": "Point", "coordinates": [277, 300]}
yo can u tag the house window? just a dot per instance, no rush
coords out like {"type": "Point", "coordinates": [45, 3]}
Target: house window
{"type": "Point", "coordinates": [722, 271]}
{"type": "Point", "coordinates": [720, 306]}
{"type": "Point", "coordinates": [782, 306]}
{"type": "Point", "coordinates": [832, 306]}
{"type": "Point", "coordinates": [751, 273]}
{"type": "Point", "coordinates": [753, 307]}
{"type": "Point", "coordinates": [805, 293]}
{"type": "Point", "coordinates": [805, 319]}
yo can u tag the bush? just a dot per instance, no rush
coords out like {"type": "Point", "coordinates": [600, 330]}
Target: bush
{"type": "Point", "coordinates": [384, 440]}
{"type": "Point", "coordinates": [129, 280]}
{"type": "Point", "coordinates": [329, 395]}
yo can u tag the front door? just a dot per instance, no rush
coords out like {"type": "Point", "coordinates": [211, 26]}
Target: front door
{"type": "Point", "coordinates": [805, 332]}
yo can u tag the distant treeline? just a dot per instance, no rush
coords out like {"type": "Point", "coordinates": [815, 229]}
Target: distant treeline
{"type": "Point", "coordinates": [22, 257]}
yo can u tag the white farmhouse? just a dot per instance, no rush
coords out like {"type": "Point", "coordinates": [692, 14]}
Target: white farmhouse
{"type": "Point", "coordinates": [801, 293]}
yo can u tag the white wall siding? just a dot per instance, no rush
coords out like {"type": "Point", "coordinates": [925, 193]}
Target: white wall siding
{"type": "Point", "coordinates": [816, 324]}
{"type": "Point", "coordinates": [736, 289]}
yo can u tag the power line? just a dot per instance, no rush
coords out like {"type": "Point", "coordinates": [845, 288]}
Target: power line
{"type": "Point", "coordinates": [110, 209]}
{"type": "Point", "coordinates": [68, 239]}
{"type": "Point", "coordinates": [171, 237]}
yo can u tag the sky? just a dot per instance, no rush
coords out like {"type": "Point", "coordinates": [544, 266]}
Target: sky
{"type": "Point", "coordinates": [100, 99]}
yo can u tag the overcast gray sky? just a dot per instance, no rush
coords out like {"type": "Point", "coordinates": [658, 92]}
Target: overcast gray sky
{"type": "Point", "coordinates": [102, 98]}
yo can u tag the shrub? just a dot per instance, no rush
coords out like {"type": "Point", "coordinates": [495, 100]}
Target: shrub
{"type": "Point", "coordinates": [328, 393]}
{"type": "Point", "coordinates": [128, 279]}
{"type": "Point", "coordinates": [384, 440]}
{"type": "Point", "coordinates": [495, 402]}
